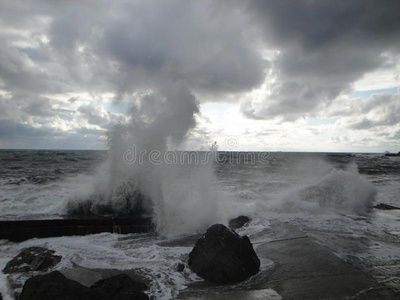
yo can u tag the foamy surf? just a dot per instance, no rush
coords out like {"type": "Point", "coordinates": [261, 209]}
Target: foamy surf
{"type": "Point", "coordinates": [341, 191]}
{"type": "Point", "coordinates": [140, 254]}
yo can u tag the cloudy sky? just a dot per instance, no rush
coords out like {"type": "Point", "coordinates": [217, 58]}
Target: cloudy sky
{"type": "Point", "coordinates": [254, 75]}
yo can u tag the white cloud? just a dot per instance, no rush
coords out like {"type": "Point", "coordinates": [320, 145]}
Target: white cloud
{"type": "Point", "coordinates": [273, 73]}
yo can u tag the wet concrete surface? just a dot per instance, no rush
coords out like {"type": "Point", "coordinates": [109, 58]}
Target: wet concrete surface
{"type": "Point", "coordinates": [303, 269]}
{"type": "Point", "coordinates": [21, 230]}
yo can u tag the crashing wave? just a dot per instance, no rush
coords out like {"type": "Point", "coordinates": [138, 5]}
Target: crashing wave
{"type": "Point", "coordinates": [338, 191]}
{"type": "Point", "coordinates": [126, 199]}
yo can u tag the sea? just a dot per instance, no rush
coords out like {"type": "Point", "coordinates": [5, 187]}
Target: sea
{"type": "Point", "coordinates": [331, 196]}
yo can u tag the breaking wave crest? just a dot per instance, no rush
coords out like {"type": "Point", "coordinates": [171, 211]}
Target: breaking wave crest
{"type": "Point", "coordinates": [341, 191]}
{"type": "Point", "coordinates": [179, 196]}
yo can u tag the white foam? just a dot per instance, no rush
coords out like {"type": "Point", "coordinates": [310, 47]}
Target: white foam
{"type": "Point", "coordinates": [5, 288]}
{"type": "Point", "coordinates": [337, 191]}
{"type": "Point", "coordinates": [107, 251]}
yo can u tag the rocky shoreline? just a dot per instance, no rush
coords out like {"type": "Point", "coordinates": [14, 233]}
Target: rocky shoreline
{"type": "Point", "coordinates": [301, 268]}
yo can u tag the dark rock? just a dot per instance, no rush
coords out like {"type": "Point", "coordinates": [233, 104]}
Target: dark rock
{"type": "Point", "coordinates": [120, 287]}
{"type": "Point", "coordinates": [180, 267]}
{"type": "Point", "coordinates": [32, 259]}
{"type": "Point", "coordinates": [55, 286]}
{"type": "Point", "coordinates": [1, 297]}
{"type": "Point", "coordinates": [384, 206]}
{"type": "Point", "coordinates": [238, 222]}
{"type": "Point", "coordinates": [223, 256]}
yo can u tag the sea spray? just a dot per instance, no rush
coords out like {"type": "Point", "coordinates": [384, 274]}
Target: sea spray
{"type": "Point", "coordinates": [339, 190]}
{"type": "Point", "coordinates": [138, 179]}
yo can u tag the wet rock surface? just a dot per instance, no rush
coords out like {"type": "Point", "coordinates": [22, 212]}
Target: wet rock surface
{"type": "Point", "coordinates": [32, 259]}
{"type": "Point", "coordinates": [238, 222]}
{"type": "Point", "coordinates": [180, 267]}
{"type": "Point", "coordinates": [120, 287]}
{"type": "Point", "coordinates": [384, 206]}
{"type": "Point", "coordinates": [222, 256]}
{"type": "Point", "coordinates": [55, 285]}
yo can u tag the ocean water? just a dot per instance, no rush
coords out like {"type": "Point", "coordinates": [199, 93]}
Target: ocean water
{"type": "Point", "coordinates": [328, 195]}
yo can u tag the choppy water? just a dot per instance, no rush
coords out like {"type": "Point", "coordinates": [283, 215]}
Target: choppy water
{"type": "Point", "coordinates": [328, 195]}
{"type": "Point", "coordinates": [38, 183]}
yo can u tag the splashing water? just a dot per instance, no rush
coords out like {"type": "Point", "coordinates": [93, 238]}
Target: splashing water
{"type": "Point", "coordinates": [136, 179]}
{"type": "Point", "coordinates": [181, 197]}
{"type": "Point", "coordinates": [340, 191]}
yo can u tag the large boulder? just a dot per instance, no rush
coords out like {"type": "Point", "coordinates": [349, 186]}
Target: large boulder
{"type": "Point", "coordinates": [121, 287]}
{"type": "Point", "coordinates": [32, 259]}
{"type": "Point", "coordinates": [55, 285]}
{"type": "Point", "coordinates": [223, 256]}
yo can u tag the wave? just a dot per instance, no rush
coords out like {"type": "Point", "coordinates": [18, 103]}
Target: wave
{"type": "Point", "coordinates": [342, 191]}
{"type": "Point", "coordinates": [181, 198]}
{"type": "Point", "coordinates": [184, 199]}
{"type": "Point", "coordinates": [125, 199]}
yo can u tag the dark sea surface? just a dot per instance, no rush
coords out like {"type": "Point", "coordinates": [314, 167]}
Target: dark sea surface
{"type": "Point", "coordinates": [37, 183]}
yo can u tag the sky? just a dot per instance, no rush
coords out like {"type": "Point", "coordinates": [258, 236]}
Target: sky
{"type": "Point", "coordinates": [252, 75]}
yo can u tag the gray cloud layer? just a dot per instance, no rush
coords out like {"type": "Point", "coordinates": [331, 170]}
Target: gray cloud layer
{"type": "Point", "coordinates": [324, 47]}
{"type": "Point", "coordinates": [206, 48]}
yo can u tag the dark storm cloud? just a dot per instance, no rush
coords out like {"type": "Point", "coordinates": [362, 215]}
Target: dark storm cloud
{"type": "Point", "coordinates": [95, 116]}
{"type": "Point", "coordinates": [28, 62]}
{"type": "Point", "coordinates": [205, 49]}
{"type": "Point", "coordinates": [324, 47]}
{"type": "Point", "coordinates": [88, 131]}
{"type": "Point", "coordinates": [40, 107]}
{"type": "Point", "coordinates": [378, 110]}
{"type": "Point", "coordinates": [26, 117]}
{"type": "Point", "coordinates": [35, 54]}
{"type": "Point", "coordinates": [316, 24]}
{"type": "Point", "coordinates": [364, 124]}
{"type": "Point", "coordinates": [199, 42]}
{"type": "Point", "coordinates": [103, 46]}
{"type": "Point", "coordinates": [389, 119]}
{"type": "Point", "coordinates": [396, 135]}
{"type": "Point", "coordinates": [17, 72]}
{"type": "Point", "coordinates": [214, 46]}
{"type": "Point", "coordinates": [12, 129]}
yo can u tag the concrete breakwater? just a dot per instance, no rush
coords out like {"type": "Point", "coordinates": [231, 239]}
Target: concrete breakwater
{"type": "Point", "coordinates": [21, 230]}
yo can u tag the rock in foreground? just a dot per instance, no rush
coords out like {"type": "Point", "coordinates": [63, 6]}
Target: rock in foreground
{"type": "Point", "coordinates": [120, 287]}
{"type": "Point", "coordinates": [223, 256]}
{"type": "Point", "coordinates": [55, 285]}
{"type": "Point", "coordinates": [32, 259]}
